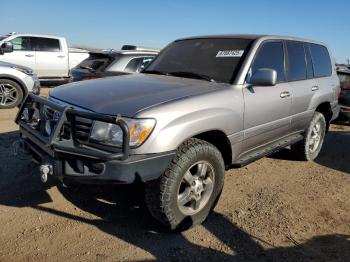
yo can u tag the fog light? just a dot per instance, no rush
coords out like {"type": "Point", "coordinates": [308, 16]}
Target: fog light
{"type": "Point", "coordinates": [25, 114]}
{"type": "Point", "coordinates": [48, 128]}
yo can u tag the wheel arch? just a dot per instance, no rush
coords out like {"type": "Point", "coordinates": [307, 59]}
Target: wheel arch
{"type": "Point", "coordinates": [325, 109]}
{"type": "Point", "coordinates": [17, 81]}
{"type": "Point", "coordinates": [220, 141]}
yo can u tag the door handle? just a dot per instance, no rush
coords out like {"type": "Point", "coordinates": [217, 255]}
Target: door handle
{"type": "Point", "coordinates": [29, 55]}
{"type": "Point", "coordinates": [285, 94]}
{"type": "Point", "coordinates": [314, 88]}
{"type": "Point", "coordinates": [61, 56]}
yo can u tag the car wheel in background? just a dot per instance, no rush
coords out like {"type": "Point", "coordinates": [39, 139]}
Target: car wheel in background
{"type": "Point", "coordinates": [11, 94]}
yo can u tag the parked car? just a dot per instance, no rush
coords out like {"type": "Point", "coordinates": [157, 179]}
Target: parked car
{"type": "Point", "coordinates": [48, 56]}
{"type": "Point", "coordinates": [344, 97]}
{"type": "Point", "coordinates": [203, 104]}
{"type": "Point", "coordinates": [15, 82]}
{"type": "Point", "coordinates": [112, 63]}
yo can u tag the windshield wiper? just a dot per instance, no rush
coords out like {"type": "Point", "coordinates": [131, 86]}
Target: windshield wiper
{"type": "Point", "coordinates": [192, 75]}
{"type": "Point", "coordinates": [155, 72]}
{"type": "Point", "coordinates": [88, 68]}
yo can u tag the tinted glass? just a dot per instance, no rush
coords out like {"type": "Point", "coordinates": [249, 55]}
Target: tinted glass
{"type": "Point", "coordinates": [45, 44]}
{"type": "Point", "coordinates": [216, 58]}
{"type": "Point", "coordinates": [95, 62]}
{"type": "Point", "coordinates": [296, 61]}
{"type": "Point", "coordinates": [270, 55]}
{"type": "Point", "coordinates": [321, 60]}
{"type": "Point", "coordinates": [134, 64]}
{"type": "Point", "coordinates": [344, 80]}
{"type": "Point", "coordinates": [309, 66]}
{"type": "Point", "coordinates": [21, 43]}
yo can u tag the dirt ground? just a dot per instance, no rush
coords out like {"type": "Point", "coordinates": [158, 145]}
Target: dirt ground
{"type": "Point", "coordinates": [276, 209]}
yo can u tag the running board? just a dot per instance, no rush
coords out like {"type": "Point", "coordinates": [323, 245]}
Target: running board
{"type": "Point", "coordinates": [265, 151]}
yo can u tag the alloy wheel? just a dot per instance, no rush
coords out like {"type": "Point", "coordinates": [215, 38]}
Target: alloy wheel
{"type": "Point", "coordinates": [196, 188]}
{"type": "Point", "coordinates": [315, 137]}
{"type": "Point", "coordinates": [8, 95]}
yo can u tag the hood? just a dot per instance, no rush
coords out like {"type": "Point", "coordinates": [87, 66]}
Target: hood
{"type": "Point", "coordinates": [129, 94]}
{"type": "Point", "coordinates": [4, 64]}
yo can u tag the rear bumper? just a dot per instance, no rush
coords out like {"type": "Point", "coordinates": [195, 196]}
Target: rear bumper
{"type": "Point", "coordinates": [84, 168]}
{"type": "Point", "coordinates": [345, 110]}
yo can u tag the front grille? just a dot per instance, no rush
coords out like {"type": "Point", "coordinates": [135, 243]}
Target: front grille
{"type": "Point", "coordinates": [82, 128]}
{"type": "Point", "coordinates": [44, 119]}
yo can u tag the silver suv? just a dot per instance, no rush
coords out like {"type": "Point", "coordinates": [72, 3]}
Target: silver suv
{"type": "Point", "coordinates": [15, 82]}
{"type": "Point", "coordinates": [203, 105]}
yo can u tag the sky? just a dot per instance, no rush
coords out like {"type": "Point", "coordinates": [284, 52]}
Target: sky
{"type": "Point", "coordinates": [155, 23]}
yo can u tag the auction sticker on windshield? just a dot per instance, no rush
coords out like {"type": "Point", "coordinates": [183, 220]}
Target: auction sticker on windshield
{"type": "Point", "coordinates": [230, 53]}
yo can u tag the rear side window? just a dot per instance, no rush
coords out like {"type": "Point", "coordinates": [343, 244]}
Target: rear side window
{"type": "Point", "coordinates": [321, 60]}
{"type": "Point", "coordinates": [296, 61]}
{"type": "Point", "coordinates": [95, 62]}
{"type": "Point", "coordinates": [21, 44]}
{"type": "Point", "coordinates": [344, 80]}
{"type": "Point", "coordinates": [270, 55]}
{"type": "Point", "coordinates": [134, 64]}
{"type": "Point", "coordinates": [45, 44]}
{"type": "Point", "coordinates": [309, 67]}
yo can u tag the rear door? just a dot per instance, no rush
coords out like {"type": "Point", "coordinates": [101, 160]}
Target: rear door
{"type": "Point", "coordinates": [300, 75]}
{"type": "Point", "coordinates": [51, 57]}
{"type": "Point", "coordinates": [23, 53]}
{"type": "Point", "coordinates": [325, 76]}
{"type": "Point", "coordinates": [267, 108]}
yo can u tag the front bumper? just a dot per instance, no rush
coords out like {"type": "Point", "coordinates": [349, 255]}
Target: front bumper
{"type": "Point", "coordinates": [80, 168]}
{"type": "Point", "coordinates": [84, 163]}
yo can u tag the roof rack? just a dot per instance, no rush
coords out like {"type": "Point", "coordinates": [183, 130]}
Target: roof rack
{"type": "Point", "coordinates": [137, 48]}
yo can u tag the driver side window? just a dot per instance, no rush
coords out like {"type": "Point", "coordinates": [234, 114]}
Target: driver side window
{"type": "Point", "coordinates": [21, 44]}
{"type": "Point", "coordinates": [270, 55]}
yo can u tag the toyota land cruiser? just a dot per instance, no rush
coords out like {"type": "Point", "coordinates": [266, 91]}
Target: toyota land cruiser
{"type": "Point", "coordinates": [203, 105]}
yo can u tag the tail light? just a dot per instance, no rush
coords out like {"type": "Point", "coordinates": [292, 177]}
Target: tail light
{"type": "Point", "coordinates": [89, 77]}
{"type": "Point", "coordinates": [345, 109]}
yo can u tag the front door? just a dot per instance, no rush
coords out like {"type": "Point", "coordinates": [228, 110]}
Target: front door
{"type": "Point", "coordinates": [22, 54]}
{"type": "Point", "coordinates": [267, 108]}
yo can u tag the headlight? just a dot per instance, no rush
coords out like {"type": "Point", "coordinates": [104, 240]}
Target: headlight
{"type": "Point", "coordinates": [24, 70]}
{"type": "Point", "coordinates": [111, 134]}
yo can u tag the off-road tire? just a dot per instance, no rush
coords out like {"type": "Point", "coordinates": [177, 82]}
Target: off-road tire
{"type": "Point", "coordinates": [301, 148]}
{"type": "Point", "coordinates": [19, 93]}
{"type": "Point", "coordinates": [161, 194]}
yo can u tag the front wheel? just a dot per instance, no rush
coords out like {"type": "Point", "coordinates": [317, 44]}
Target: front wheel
{"type": "Point", "coordinates": [185, 194]}
{"type": "Point", "coordinates": [309, 148]}
{"type": "Point", "coordinates": [11, 94]}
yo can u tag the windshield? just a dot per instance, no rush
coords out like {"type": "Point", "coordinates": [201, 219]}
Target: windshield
{"type": "Point", "coordinates": [217, 59]}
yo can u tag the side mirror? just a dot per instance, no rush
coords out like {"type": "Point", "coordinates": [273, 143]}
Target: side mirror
{"type": "Point", "coordinates": [264, 77]}
{"type": "Point", "coordinates": [6, 47]}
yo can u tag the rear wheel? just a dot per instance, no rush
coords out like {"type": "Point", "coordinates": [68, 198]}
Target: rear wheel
{"type": "Point", "coordinates": [309, 148]}
{"type": "Point", "coordinates": [11, 94]}
{"type": "Point", "coordinates": [185, 194]}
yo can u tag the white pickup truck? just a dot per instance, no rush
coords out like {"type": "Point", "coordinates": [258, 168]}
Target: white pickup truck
{"type": "Point", "coordinates": [48, 56]}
